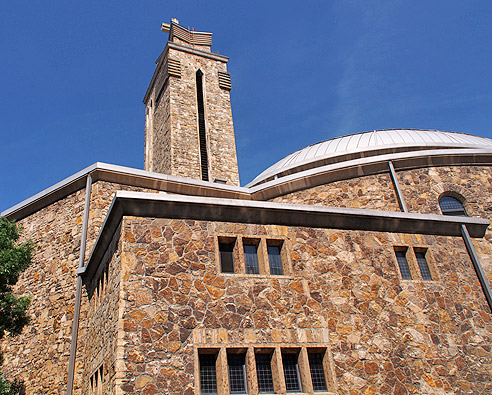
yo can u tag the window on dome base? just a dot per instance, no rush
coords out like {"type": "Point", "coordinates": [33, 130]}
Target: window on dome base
{"type": "Point", "coordinates": [452, 206]}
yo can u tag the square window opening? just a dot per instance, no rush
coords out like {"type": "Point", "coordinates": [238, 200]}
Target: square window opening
{"type": "Point", "coordinates": [420, 254]}
{"type": "Point", "coordinates": [208, 373]}
{"type": "Point", "coordinates": [317, 370]}
{"type": "Point", "coordinates": [291, 371]}
{"type": "Point", "coordinates": [236, 363]}
{"type": "Point", "coordinates": [401, 257]}
{"type": "Point", "coordinates": [274, 250]}
{"type": "Point", "coordinates": [226, 250]}
{"type": "Point", "coordinates": [264, 372]}
{"type": "Point", "coordinates": [250, 248]}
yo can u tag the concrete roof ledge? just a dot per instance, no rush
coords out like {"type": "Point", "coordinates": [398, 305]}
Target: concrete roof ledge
{"type": "Point", "coordinates": [246, 211]}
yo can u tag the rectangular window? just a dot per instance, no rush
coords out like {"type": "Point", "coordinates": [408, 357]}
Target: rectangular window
{"type": "Point", "coordinates": [401, 257]}
{"type": "Point", "coordinates": [226, 256]}
{"type": "Point", "coordinates": [208, 375]}
{"type": "Point", "coordinates": [264, 373]}
{"type": "Point", "coordinates": [291, 372]}
{"type": "Point", "coordinates": [317, 371]}
{"type": "Point", "coordinates": [274, 259]}
{"type": "Point", "coordinates": [423, 266]}
{"type": "Point", "coordinates": [251, 259]}
{"type": "Point", "coordinates": [237, 373]}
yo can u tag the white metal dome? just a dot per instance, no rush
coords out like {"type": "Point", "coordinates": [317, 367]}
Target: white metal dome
{"type": "Point", "coordinates": [366, 144]}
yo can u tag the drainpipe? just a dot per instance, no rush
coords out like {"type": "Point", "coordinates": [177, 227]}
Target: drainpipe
{"type": "Point", "coordinates": [399, 195]}
{"type": "Point", "coordinates": [78, 294]}
{"type": "Point", "coordinates": [476, 264]}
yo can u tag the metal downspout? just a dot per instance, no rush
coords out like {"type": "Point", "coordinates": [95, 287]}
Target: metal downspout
{"type": "Point", "coordinates": [476, 264]}
{"type": "Point", "coordinates": [78, 294]}
{"type": "Point", "coordinates": [399, 195]}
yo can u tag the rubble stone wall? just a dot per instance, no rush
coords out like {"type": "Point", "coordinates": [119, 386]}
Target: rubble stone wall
{"type": "Point", "coordinates": [39, 356]}
{"type": "Point", "coordinates": [100, 352]}
{"type": "Point", "coordinates": [385, 335]}
{"type": "Point", "coordinates": [370, 192]}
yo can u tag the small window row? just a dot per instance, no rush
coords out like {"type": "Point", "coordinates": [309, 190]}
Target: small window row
{"type": "Point", "coordinates": [270, 371]}
{"type": "Point", "coordinates": [415, 263]}
{"type": "Point", "coordinates": [96, 382]}
{"type": "Point", "coordinates": [253, 255]}
{"type": "Point", "coordinates": [100, 287]}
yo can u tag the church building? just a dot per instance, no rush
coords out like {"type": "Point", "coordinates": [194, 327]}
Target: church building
{"type": "Point", "coordinates": [358, 265]}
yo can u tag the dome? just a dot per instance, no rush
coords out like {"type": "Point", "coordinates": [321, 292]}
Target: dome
{"type": "Point", "coordinates": [377, 142]}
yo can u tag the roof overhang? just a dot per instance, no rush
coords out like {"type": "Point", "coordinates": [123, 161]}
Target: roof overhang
{"type": "Point", "coordinates": [125, 176]}
{"type": "Point", "coordinates": [366, 166]}
{"type": "Point", "coordinates": [246, 211]}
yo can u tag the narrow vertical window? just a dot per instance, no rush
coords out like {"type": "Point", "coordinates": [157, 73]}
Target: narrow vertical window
{"type": "Point", "coordinates": [264, 372]}
{"type": "Point", "coordinates": [226, 256]}
{"type": "Point", "coordinates": [237, 373]}
{"type": "Point", "coordinates": [317, 371]}
{"type": "Point", "coordinates": [274, 259]}
{"type": "Point", "coordinates": [291, 372]}
{"type": "Point", "coordinates": [201, 125]}
{"type": "Point", "coordinates": [401, 257]}
{"type": "Point", "coordinates": [251, 259]}
{"type": "Point", "coordinates": [208, 373]}
{"type": "Point", "coordinates": [423, 266]}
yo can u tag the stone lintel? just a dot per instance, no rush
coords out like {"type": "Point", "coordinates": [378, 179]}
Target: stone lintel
{"type": "Point", "coordinates": [246, 211]}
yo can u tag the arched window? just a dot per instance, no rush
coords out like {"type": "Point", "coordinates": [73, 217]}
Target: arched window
{"type": "Point", "coordinates": [452, 206]}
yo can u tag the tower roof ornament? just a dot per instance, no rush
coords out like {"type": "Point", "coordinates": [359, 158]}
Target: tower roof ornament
{"type": "Point", "coordinates": [189, 36]}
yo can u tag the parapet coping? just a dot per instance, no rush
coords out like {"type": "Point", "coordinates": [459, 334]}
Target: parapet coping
{"type": "Point", "coordinates": [123, 175]}
{"type": "Point", "coordinates": [360, 167]}
{"type": "Point", "coordinates": [142, 204]}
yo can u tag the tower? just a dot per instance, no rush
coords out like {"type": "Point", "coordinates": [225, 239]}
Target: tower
{"type": "Point", "coordinates": [189, 130]}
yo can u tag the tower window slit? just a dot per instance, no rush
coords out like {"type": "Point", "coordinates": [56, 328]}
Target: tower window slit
{"type": "Point", "coordinates": [201, 125]}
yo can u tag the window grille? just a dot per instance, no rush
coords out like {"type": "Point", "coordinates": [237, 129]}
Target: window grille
{"type": "Point", "coordinates": [208, 375]}
{"type": "Point", "coordinates": [317, 372]}
{"type": "Point", "coordinates": [251, 259]}
{"type": "Point", "coordinates": [424, 267]}
{"type": "Point", "coordinates": [291, 373]}
{"type": "Point", "coordinates": [237, 373]}
{"type": "Point", "coordinates": [264, 373]}
{"type": "Point", "coordinates": [226, 257]}
{"type": "Point", "coordinates": [452, 206]}
{"type": "Point", "coordinates": [275, 260]}
{"type": "Point", "coordinates": [401, 257]}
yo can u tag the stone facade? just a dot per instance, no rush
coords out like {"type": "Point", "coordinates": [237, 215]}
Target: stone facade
{"type": "Point", "coordinates": [370, 192]}
{"type": "Point", "coordinates": [158, 299]}
{"type": "Point", "coordinates": [385, 335]}
{"type": "Point", "coordinates": [172, 139]}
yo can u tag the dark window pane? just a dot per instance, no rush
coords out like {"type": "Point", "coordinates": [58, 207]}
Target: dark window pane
{"type": "Point", "coordinates": [237, 373]}
{"type": "Point", "coordinates": [317, 371]}
{"type": "Point", "coordinates": [424, 268]}
{"type": "Point", "coordinates": [452, 206]}
{"type": "Point", "coordinates": [264, 372]}
{"type": "Point", "coordinates": [401, 257]}
{"type": "Point", "coordinates": [226, 257]}
{"type": "Point", "coordinates": [274, 260]}
{"type": "Point", "coordinates": [251, 259]}
{"type": "Point", "coordinates": [208, 376]}
{"type": "Point", "coordinates": [291, 373]}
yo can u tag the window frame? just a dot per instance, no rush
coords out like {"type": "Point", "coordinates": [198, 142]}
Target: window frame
{"type": "Point", "coordinates": [457, 212]}
{"type": "Point", "coordinates": [413, 264]}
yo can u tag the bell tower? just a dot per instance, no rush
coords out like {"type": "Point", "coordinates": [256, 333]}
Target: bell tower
{"type": "Point", "coordinates": [189, 130]}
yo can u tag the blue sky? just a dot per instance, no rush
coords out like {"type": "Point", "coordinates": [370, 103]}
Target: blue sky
{"type": "Point", "coordinates": [73, 75]}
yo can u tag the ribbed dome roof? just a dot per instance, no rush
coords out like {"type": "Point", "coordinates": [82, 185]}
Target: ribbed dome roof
{"type": "Point", "coordinates": [369, 144]}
